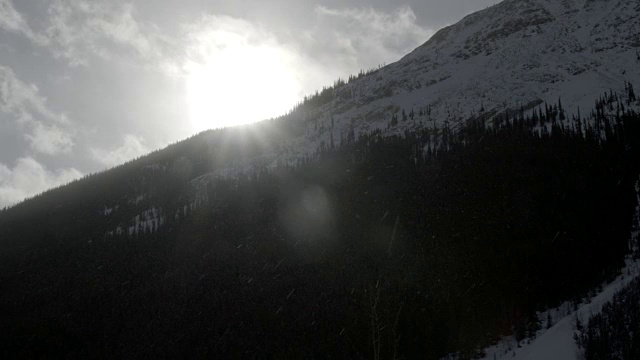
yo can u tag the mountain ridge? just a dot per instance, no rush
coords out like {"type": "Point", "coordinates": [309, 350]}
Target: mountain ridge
{"type": "Point", "coordinates": [518, 53]}
{"type": "Point", "coordinates": [423, 209]}
{"type": "Point", "coordinates": [461, 72]}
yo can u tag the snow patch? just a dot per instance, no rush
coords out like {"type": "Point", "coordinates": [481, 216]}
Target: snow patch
{"type": "Point", "coordinates": [558, 341]}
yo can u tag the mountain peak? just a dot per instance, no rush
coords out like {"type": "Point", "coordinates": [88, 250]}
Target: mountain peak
{"type": "Point", "coordinates": [577, 20]}
{"type": "Point", "coordinates": [515, 54]}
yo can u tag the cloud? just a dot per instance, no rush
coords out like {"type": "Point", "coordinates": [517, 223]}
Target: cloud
{"type": "Point", "coordinates": [47, 131]}
{"type": "Point", "coordinates": [366, 37]}
{"type": "Point", "coordinates": [28, 178]}
{"type": "Point", "coordinates": [340, 42]}
{"type": "Point", "coordinates": [11, 20]}
{"type": "Point", "coordinates": [23, 99]}
{"type": "Point", "coordinates": [78, 30]}
{"type": "Point", "coordinates": [49, 139]}
{"type": "Point", "coordinates": [81, 29]}
{"type": "Point", "coordinates": [132, 147]}
{"type": "Point", "coordinates": [219, 32]}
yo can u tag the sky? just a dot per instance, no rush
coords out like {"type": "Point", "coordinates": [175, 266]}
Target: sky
{"type": "Point", "coordinates": [86, 85]}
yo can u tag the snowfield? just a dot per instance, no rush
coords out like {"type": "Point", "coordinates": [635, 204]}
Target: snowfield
{"type": "Point", "coordinates": [557, 343]}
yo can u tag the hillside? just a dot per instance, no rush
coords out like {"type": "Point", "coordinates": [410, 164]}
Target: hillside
{"type": "Point", "coordinates": [517, 54]}
{"type": "Point", "coordinates": [426, 208]}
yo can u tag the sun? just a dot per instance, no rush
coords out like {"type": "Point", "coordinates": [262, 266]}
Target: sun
{"type": "Point", "coordinates": [238, 85]}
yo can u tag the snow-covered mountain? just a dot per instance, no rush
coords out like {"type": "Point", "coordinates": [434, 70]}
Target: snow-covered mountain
{"type": "Point", "coordinates": [516, 54]}
{"type": "Point", "coordinates": [372, 249]}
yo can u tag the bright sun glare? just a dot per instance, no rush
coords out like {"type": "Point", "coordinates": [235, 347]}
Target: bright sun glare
{"type": "Point", "coordinates": [240, 85]}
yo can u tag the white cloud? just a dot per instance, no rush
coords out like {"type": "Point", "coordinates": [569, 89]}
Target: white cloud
{"type": "Point", "coordinates": [28, 178]}
{"type": "Point", "coordinates": [132, 147]}
{"type": "Point", "coordinates": [81, 29]}
{"type": "Point", "coordinates": [47, 131]}
{"type": "Point", "coordinates": [366, 37]}
{"type": "Point", "coordinates": [77, 30]}
{"type": "Point", "coordinates": [11, 20]}
{"type": "Point", "coordinates": [216, 33]}
{"type": "Point", "coordinates": [341, 41]}
{"type": "Point", "coordinates": [19, 98]}
{"type": "Point", "coordinates": [49, 139]}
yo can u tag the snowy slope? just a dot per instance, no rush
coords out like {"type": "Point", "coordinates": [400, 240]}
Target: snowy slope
{"type": "Point", "coordinates": [512, 54]}
{"type": "Point", "coordinates": [516, 54]}
{"type": "Point", "coordinates": [557, 343]}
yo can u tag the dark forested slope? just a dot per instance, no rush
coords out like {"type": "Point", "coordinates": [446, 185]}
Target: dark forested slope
{"type": "Point", "coordinates": [405, 246]}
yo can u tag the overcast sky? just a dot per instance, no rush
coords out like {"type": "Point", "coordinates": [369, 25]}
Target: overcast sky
{"type": "Point", "coordinates": [89, 84]}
